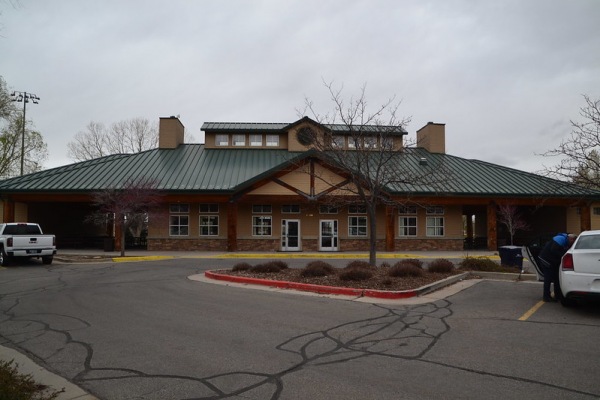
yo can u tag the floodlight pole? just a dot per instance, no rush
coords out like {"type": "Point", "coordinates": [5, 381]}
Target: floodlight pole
{"type": "Point", "coordinates": [24, 97]}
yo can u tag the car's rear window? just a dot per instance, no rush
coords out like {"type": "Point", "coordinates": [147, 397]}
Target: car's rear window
{"type": "Point", "coordinates": [588, 242]}
{"type": "Point", "coordinates": [23, 229]}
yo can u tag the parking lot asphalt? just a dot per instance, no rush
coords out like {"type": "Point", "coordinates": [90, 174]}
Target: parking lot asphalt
{"type": "Point", "coordinates": [71, 391]}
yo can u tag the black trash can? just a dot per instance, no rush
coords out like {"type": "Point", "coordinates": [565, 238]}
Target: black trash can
{"type": "Point", "coordinates": [511, 256]}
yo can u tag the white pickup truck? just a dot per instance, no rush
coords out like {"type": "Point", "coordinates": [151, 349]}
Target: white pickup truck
{"type": "Point", "coordinates": [21, 239]}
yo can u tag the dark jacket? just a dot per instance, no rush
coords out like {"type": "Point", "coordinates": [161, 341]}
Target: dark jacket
{"type": "Point", "coordinates": [554, 250]}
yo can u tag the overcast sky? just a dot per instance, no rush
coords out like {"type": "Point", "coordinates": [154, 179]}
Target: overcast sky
{"type": "Point", "coordinates": [504, 76]}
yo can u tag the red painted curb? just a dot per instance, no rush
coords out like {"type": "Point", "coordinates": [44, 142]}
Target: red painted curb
{"type": "Point", "coordinates": [380, 294]}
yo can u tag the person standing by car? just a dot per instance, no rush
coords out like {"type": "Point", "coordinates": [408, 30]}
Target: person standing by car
{"type": "Point", "coordinates": [549, 259]}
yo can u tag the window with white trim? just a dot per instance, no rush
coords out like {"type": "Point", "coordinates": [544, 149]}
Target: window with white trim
{"type": "Point", "coordinates": [596, 210]}
{"type": "Point", "coordinates": [272, 140]}
{"type": "Point", "coordinates": [221, 140]}
{"type": "Point", "coordinates": [410, 210]}
{"type": "Point", "coordinates": [179, 219]}
{"type": "Point", "coordinates": [256, 140]}
{"type": "Point", "coordinates": [209, 225]}
{"type": "Point", "coordinates": [290, 209]}
{"type": "Point", "coordinates": [407, 225]}
{"type": "Point", "coordinates": [238, 140]}
{"type": "Point", "coordinates": [324, 209]}
{"type": "Point", "coordinates": [435, 210]}
{"type": "Point", "coordinates": [435, 226]}
{"type": "Point", "coordinates": [261, 225]}
{"type": "Point", "coordinates": [357, 226]}
{"type": "Point", "coordinates": [370, 142]}
{"type": "Point", "coordinates": [262, 209]}
{"type": "Point", "coordinates": [357, 209]}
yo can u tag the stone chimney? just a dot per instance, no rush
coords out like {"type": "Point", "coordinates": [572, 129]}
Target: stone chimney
{"type": "Point", "coordinates": [170, 132]}
{"type": "Point", "coordinates": [432, 137]}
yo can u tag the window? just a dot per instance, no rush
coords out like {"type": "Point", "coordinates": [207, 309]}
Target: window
{"type": "Point", "coordinates": [357, 209]}
{"type": "Point", "coordinates": [435, 226]}
{"type": "Point", "coordinates": [407, 210]}
{"type": "Point", "coordinates": [290, 209]}
{"type": "Point", "coordinates": [209, 208]}
{"type": "Point", "coordinates": [261, 209]}
{"type": "Point", "coordinates": [328, 210]}
{"type": "Point", "coordinates": [239, 140]}
{"type": "Point", "coordinates": [353, 142]}
{"type": "Point", "coordinates": [261, 225]}
{"type": "Point", "coordinates": [255, 140]}
{"type": "Point", "coordinates": [435, 210]}
{"type": "Point", "coordinates": [273, 140]}
{"type": "Point", "coordinates": [337, 141]}
{"type": "Point", "coordinates": [209, 225]}
{"type": "Point", "coordinates": [222, 140]}
{"type": "Point", "coordinates": [179, 219]}
{"type": "Point", "coordinates": [387, 143]}
{"type": "Point", "coordinates": [357, 226]}
{"type": "Point", "coordinates": [370, 142]}
{"type": "Point", "coordinates": [596, 210]}
{"type": "Point", "coordinates": [407, 226]}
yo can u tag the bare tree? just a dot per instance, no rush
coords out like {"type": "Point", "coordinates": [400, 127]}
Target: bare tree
{"type": "Point", "coordinates": [130, 205]}
{"type": "Point", "coordinates": [509, 216]}
{"type": "Point", "coordinates": [10, 147]}
{"type": "Point", "coordinates": [579, 161]}
{"type": "Point", "coordinates": [360, 144]}
{"type": "Point", "coordinates": [128, 136]}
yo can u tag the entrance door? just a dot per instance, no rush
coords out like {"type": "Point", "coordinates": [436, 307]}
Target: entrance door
{"type": "Point", "coordinates": [328, 240]}
{"type": "Point", "coordinates": [290, 235]}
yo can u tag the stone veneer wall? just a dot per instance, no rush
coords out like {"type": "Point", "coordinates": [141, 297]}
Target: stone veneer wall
{"type": "Point", "coordinates": [307, 245]}
{"type": "Point", "coordinates": [187, 244]}
{"type": "Point", "coordinates": [429, 245]}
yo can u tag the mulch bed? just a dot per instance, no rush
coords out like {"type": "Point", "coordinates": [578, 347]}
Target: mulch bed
{"type": "Point", "coordinates": [379, 281]}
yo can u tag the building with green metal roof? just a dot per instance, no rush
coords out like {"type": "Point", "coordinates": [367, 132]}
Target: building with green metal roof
{"type": "Point", "coordinates": [260, 186]}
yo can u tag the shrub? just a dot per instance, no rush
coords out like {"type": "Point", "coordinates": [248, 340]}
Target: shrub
{"type": "Point", "coordinates": [14, 385]}
{"type": "Point", "coordinates": [317, 268]}
{"type": "Point", "coordinates": [265, 268]}
{"type": "Point", "coordinates": [278, 264]}
{"type": "Point", "coordinates": [479, 264]}
{"type": "Point", "coordinates": [400, 270]}
{"type": "Point", "coordinates": [385, 265]}
{"type": "Point", "coordinates": [441, 266]}
{"type": "Point", "coordinates": [357, 264]}
{"type": "Point", "coordinates": [413, 261]}
{"type": "Point", "coordinates": [243, 266]}
{"type": "Point", "coordinates": [356, 274]}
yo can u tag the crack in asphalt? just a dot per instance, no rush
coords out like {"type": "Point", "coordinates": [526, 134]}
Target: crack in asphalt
{"type": "Point", "coordinates": [402, 332]}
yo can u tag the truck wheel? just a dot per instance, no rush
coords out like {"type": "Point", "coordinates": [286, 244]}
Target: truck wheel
{"type": "Point", "coordinates": [47, 259]}
{"type": "Point", "coordinates": [3, 258]}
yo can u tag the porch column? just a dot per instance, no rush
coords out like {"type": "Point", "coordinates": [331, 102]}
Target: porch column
{"type": "Point", "coordinates": [8, 211]}
{"type": "Point", "coordinates": [585, 218]}
{"type": "Point", "coordinates": [117, 238]}
{"type": "Point", "coordinates": [232, 217]}
{"type": "Point", "coordinates": [390, 229]}
{"type": "Point", "coordinates": [492, 232]}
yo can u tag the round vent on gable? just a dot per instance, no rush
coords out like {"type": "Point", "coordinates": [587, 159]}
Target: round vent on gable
{"type": "Point", "coordinates": [305, 136]}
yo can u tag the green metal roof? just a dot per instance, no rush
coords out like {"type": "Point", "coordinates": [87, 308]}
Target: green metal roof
{"type": "Point", "coordinates": [193, 168]}
{"type": "Point", "coordinates": [216, 127]}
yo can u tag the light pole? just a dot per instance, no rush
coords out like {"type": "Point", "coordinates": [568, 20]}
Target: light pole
{"type": "Point", "coordinates": [24, 97]}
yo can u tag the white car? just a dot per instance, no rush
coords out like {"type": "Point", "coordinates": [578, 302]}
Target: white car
{"type": "Point", "coordinates": [580, 269]}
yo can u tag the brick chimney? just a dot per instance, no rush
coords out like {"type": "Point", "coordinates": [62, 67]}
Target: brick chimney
{"type": "Point", "coordinates": [170, 132]}
{"type": "Point", "coordinates": [432, 137]}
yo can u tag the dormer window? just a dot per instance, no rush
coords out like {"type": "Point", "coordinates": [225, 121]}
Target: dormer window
{"type": "Point", "coordinates": [222, 140]}
{"type": "Point", "coordinates": [255, 140]}
{"type": "Point", "coordinates": [239, 140]}
{"type": "Point", "coordinates": [337, 141]}
{"type": "Point", "coordinates": [272, 140]}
